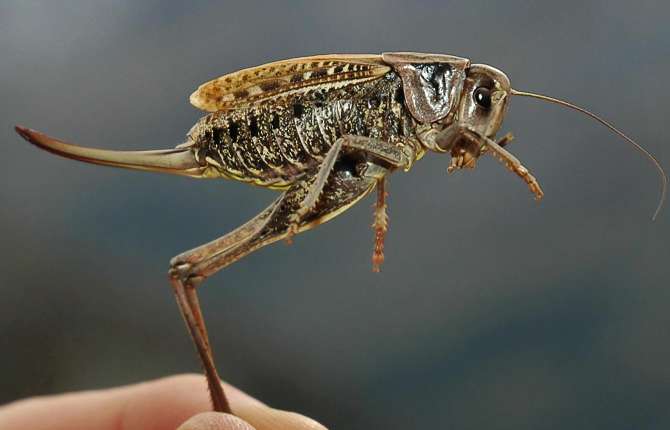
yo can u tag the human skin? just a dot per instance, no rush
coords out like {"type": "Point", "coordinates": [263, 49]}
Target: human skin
{"type": "Point", "coordinates": [176, 402]}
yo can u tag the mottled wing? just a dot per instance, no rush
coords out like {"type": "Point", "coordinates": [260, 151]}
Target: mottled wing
{"type": "Point", "coordinates": [271, 80]}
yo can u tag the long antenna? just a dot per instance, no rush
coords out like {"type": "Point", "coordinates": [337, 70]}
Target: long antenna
{"type": "Point", "coordinates": [637, 146]}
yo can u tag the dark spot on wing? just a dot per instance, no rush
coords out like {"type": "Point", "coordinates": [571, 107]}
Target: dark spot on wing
{"type": "Point", "coordinates": [319, 99]}
{"type": "Point", "coordinates": [275, 121]}
{"type": "Point", "coordinates": [253, 126]}
{"type": "Point", "coordinates": [399, 96]}
{"type": "Point", "coordinates": [217, 136]}
{"type": "Point", "coordinates": [319, 73]}
{"type": "Point", "coordinates": [209, 136]}
{"type": "Point", "coordinates": [269, 85]}
{"type": "Point", "coordinates": [233, 131]}
{"type": "Point", "coordinates": [296, 78]}
{"type": "Point", "coordinates": [298, 110]}
{"type": "Point", "coordinates": [339, 69]}
{"type": "Point", "coordinates": [241, 94]}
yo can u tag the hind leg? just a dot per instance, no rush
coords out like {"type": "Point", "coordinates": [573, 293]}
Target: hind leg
{"type": "Point", "coordinates": [190, 269]}
{"type": "Point", "coordinates": [184, 282]}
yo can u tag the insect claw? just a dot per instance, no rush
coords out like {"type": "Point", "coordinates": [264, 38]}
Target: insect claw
{"type": "Point", "coordinates": [377, 261]}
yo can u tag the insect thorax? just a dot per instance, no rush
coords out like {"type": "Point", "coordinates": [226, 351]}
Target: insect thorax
{"type": "Point", "coordinates": [275, 142]}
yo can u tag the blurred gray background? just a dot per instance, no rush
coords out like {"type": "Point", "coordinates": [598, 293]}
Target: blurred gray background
{"type": "Point", "coordinates": [492, 311]}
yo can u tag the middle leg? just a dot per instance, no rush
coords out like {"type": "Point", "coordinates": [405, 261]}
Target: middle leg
{"type": "Point", "coordinates": [380, 225]}
{"type": "Point", "coordinates": [396, 157]}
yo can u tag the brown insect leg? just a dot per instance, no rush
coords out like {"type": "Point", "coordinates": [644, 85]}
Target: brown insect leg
{"type": "Point", "coordinates": [189, 308]}
{"type": "Point", "coordinates": [380, 225]}
{"type": "Point", "coordinates": [502, 142]}
{"type": "Point", "coordinates": [383, 150]}
{"type": "Point", "coordinates": [315, 189]}
{"type": "Point", "coordinates": [515, 166]}
{"type": "Point", "coordinates": [375, 147]}
{"type": "Point", "coordinates": [189, 269]}
{"type": "Point", "coordinates": [184, 282]}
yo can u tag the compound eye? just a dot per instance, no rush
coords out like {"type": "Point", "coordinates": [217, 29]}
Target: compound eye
{"type": "Point", "coordinates": [482, 96]}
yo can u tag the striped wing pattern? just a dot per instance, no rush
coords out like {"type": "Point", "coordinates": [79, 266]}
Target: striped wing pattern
{"type": "Point", "coordinates": [248, 86]}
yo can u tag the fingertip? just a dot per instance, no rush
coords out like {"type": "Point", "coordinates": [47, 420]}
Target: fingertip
{"type": "Point", "coordinates": [214, 421]}
{"type": "Point", "coordinates": [160, 404]}
{"type": "Point", "coordinates": [264, 418]}
{"type": "Point", "coordinates": [295, 421]}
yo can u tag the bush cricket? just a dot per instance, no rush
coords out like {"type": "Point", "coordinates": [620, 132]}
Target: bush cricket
{"type": "Point", "coordinates": [326, 131]}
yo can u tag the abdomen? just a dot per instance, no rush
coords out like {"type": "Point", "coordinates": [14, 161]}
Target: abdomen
{"type": "Point", "coordinates": [275, 143]}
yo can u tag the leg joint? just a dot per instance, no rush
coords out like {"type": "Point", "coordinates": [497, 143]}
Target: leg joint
{"type": "Point", "coordinates": [185, 273]}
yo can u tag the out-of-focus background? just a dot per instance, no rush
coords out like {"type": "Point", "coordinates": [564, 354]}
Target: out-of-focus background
{"type": "Point", "coordinates": [492, 311]}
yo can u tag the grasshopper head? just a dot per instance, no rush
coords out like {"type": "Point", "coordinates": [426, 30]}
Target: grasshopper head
{"type": "Point", "coordinates": [479, 115]}
{"type": "Point", "coordinates": [483, 102]}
